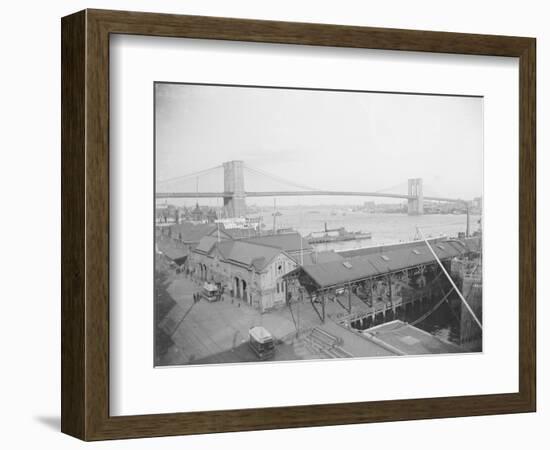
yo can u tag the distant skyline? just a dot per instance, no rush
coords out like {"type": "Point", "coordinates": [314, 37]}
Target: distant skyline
{"type": "Point", "coordinates": [331, 140]}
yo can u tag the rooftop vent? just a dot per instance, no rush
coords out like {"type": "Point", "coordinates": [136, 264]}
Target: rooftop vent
{"type": "Point", "coordinates": [384, 257]}
{"type": "Point", "coordinates": [440, 247]}
{"type": "Point", "coordinates": [347, 264]}
{"type": "Point", "coordinates": [416, 252]}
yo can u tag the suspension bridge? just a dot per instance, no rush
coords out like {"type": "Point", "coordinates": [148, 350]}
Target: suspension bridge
{"type": "Point", "coordinates": [234, 194]}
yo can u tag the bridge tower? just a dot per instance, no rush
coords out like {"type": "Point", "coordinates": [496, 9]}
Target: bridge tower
{"type": "Point", "coordinates": [233, 185]}
{"type": "Point", "coordinates": [415, 206]}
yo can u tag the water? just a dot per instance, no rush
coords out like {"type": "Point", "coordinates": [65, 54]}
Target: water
{"type": "Point", "coordinates": [385, 228]}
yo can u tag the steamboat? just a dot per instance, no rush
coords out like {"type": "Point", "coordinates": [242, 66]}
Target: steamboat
{"type": "Point", "coordinates": [336, 235]}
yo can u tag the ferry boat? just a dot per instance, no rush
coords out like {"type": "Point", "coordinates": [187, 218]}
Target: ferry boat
{"type": "Point", "coordinates": [336, 235]}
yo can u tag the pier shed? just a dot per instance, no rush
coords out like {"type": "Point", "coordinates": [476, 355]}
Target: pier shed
{"type": "Point", "coordinates": [387, 281]}
{"type": "Point", "coordinates": [339, 273]}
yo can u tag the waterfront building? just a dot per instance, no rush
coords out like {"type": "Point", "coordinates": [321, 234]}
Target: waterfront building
{"type": "Point", "coordinates": [248, 271]}
{"type": "Point", "coordinates": [379, 262]}
{"type": "Point", "coordinates": [376, 281]}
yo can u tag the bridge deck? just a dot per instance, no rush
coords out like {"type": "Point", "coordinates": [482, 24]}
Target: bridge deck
{"type": "Point", "coordinates": [299, 194]}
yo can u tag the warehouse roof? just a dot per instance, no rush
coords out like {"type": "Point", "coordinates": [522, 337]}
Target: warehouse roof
{"type": "Point", "coordinates": [336, 273]}
{"type": "Point", "coordinates": [321, 257]}
{"type": "Point", "coordinates": [206, 244]}
{"type": "Point", "coordinates": [387, 247]}
{"type": "Point", "coordinates": [289, 242]}
{"type": "Point", "coordinates": [172, 249]}
{"type": "Point", "coordinates": [242, 252]}
{"type": "Point", "coordinates": [248, 253]}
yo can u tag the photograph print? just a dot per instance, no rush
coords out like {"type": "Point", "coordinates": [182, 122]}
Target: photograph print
{"type": "Point", "coordinates": [308, 224]}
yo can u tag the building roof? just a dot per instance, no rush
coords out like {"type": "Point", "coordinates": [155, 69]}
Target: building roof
{"type": "Point", "coordinates": [248, 253]}
{"type": "Point", "coordinates": [387, 247]}
{"type": "Point", "coordinates": [241, 252]}
{"type": "Point", "coordinates": [206, 244]}
{"type": "Point", "coordinates": [238, 233]}
{"type": "Point", "coordinates": [289, 242]}
{"type": "Point", "coordinates": [336, 273]}
{"type": "Point", "coordinates": [473, 244]}
{"type": "Point", "coordinates": [172, 249]}
{"type": "Point", "coordinates": [321, 257]}
{"type": "Point", "coordinates": [411, 340]}
{"type": "Point", "coordinates": [190, 232]}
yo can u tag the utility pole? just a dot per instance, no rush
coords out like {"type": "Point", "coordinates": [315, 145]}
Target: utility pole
{"type": "Point", "coordinates": [275, 214]}
{"type": "Point", "coordinates": [467, 220]}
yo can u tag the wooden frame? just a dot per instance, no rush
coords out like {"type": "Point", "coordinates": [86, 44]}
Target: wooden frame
{"type": "Point", "coordinates": [85, 224]}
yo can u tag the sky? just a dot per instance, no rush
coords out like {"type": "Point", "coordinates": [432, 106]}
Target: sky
{"type": "Point", "coordinates": [330, 140]}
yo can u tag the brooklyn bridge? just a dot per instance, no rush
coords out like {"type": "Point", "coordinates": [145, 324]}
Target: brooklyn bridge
{"type": "Point", "coordinates": [234, 194]}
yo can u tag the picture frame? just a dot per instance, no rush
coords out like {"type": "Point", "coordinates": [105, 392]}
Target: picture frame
{"type": "Point", "coordinates": [86, 236]}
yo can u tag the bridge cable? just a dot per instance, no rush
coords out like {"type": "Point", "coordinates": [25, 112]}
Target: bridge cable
{"type": "Point", "coordinates": [190, 175]}
{"type": "Point", "coordinates": [279, 179]}
{"type": "Point", "coordinates": [391, 187]}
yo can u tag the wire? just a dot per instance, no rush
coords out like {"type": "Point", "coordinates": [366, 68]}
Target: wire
{"type": "Point", "coordinates": [279, 179]}
{"type": "Point", "coordinates": [392, 187]}
{"type": "Point", "coordinates": [190, 175]}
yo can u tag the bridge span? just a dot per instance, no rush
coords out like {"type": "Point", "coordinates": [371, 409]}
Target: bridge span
{"type": "Point", "coordinates": [234, 194]}
{"type": "Point", "coordinates": [161, 195]}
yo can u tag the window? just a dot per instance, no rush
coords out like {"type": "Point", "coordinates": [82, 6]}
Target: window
{"type": "Point", "coordinates": [277, 288]}
{"type": "Point", "coordinates": [416, 252]}
{"type": "Point", "coordinates": [347, 264]}
{"type": "Point", "coordinates": [384, 257]}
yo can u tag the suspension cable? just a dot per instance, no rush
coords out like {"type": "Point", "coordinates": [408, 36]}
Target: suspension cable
{"type": "Point", "coordinates": [190, 175]}
{"type": "Point", "coordinates": [279, 179]}
{"type": "Point", "coordinates": [391, 187]}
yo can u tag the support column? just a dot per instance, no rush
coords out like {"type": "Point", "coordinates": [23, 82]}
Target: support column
{"type": "Point", "coordinates": [233, 185]}
{"type": "Point", "coordinates": [391, 294]}
{"type": "Point", "coordinates": [415, 206]}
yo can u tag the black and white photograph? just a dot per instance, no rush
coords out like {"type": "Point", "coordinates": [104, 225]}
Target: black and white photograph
{"type": "Point", "coordinates": [310, 224]}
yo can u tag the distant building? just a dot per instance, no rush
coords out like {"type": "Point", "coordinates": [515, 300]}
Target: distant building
{"type": "Point", "coordinates": [165, 213]}
{"type": "Point", "coordinates": [478, 203]}
{"type": "Point", "coordinates": [249, 271]}
{"type": "Point", "coordinates": [190, 234]}
{"type": "Point", "coordinates": [369, 206]}
{"type": "Point", "coordinates": [211, 216]}
{"type": "Point", "coordinates": [197, 215]}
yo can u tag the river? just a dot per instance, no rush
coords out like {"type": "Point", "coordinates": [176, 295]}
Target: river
{"type": "Point", "coordinates": [385, 228]}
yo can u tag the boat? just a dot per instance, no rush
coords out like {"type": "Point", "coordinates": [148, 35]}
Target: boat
{"type": "Point", "coordinates": [336, 235]}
